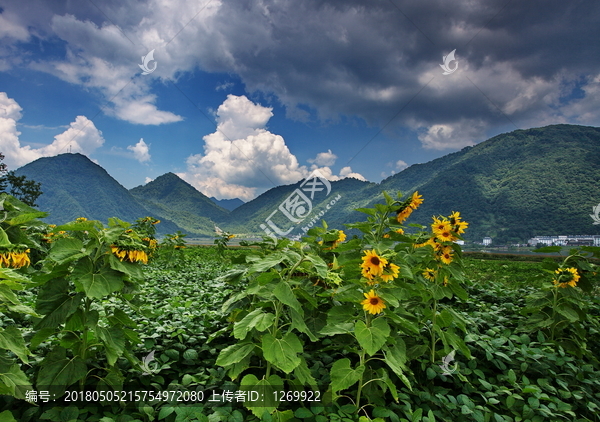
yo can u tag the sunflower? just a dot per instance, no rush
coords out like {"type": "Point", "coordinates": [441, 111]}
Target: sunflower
{"type": "Point", "coordinates": [373, 303]}
{"type": "Point", "coordinates": [372, 264]}
{"type": "Point", "coordinates": [400, 231]}
{"type": "Point", "coordinates": [390, 272]}
{"type": "Point", "coordinates": [461, 227]}
{"type": "Point", "coordinates": [415, 200]}
{"type": "Point", "coordinates": [403, 214]}
{"type": "Point", "coordinates": [340, 239]}
{"type": "Point", "coordinates": [429, 274]}
{"type": "Point", "coordinates": [563, 273]}
{"type": "Point", "coordinates": [446, 255]}
{"type": "Point", "coordinates": [130, 255]}
{"type": "Point", "coordinates": [445, 236]}
{"type": "Point", "coordinates": [440, 225]}
{"type": "Point", "coordinates": [15, 259]}
{"type": "Point", "coordinates": [80, 219]}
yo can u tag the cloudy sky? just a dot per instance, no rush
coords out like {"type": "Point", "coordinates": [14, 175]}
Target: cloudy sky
{"type": "Point", "coordinates": [245, 95]}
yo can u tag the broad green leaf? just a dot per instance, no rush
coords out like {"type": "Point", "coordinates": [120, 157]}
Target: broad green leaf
{"type": "Point", "coordinates": [96, 284]}
{"type": "Point", "coordinates": [303, 374]}
{"type": "Point", "coordinates": [11, 339]}
{"type": "Point", "coordinates": [267, 262]}
{"type": "Point", "coordinates": [284, 293]}
{"type": "Point", "coordinates": [120, 317]}
{"type": "Point", "coordinates": [114, 342]}
{"type": "Point", "coordinates": [459, 291]}
{"type": "Point", "coordinates": [319, 264]}
{"type": "Point", "coordinates": [373, 337]}
{"type": "Point", "coordinates": [395, 357]}
{"type": "Point", "coordinates": [343, 376]}
{"type": "Point", "coordinates": [282, 352]}
{"type": "Point", "coordinates": [264, 389]}
{"type": "Point", "coordinates": [24, 218]}
{"type": "Point", "coordinates": [299, 324]}
{"type": "Point", "coordinates": [7, 416]}
{"type": "Point", "coordinates": [66, 250]}
{"type": "Point", "coordinates": [391, 386]}
{"type": "Point", "coordinates": [444, 318]}
{"type": "Point", "coordinates": [13, 380]}
{"type": "Point", "coordinates": [133, 270]}
{"type": "Point", "coordinates": [40, 336]}
{"type": "Point", "coordinates": [255, 319]}
{"type": "Point", "coordinates": [567, 312]}
{"type": "Point", "coordinates": [56, 303]}
{"type": "Point", "coordinates": [237, 368]}
{"type": "Point", "coordinates": [57, 371]}
{"type": "Point", "coordinates": [234, 353]}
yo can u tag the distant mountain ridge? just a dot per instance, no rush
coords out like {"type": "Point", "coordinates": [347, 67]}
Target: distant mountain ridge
{"type": "Point", "coordinates": [228, 204]}
{"type": "Point", "coordinates": [73, 186]}
{"type": "Point", "coordinates": [510, 187]}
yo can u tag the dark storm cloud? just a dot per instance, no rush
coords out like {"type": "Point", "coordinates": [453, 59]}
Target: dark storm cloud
{"type": "Point", "coordinates": [518, 61]}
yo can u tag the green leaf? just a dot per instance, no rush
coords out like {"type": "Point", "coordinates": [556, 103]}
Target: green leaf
{"type": "Point", "coordinates": [283, 353]}
{"type": "Point", "coordinates": [255, 319]}
{"type": "Point", "coordinates": [284, 293]}
{"type": "Point", "coordinates": [459, 291]}
{"type": "Point", "coordinates": [234, 353]}
{"type": "Point", "coordinates": [120, 317]}
{"type": "Point", "coordinates": [24, 218]}
{"type": "Point", "coordinates": [512, 377]}
{"type": "Point", "coordinates": [40, 336]}
{"type": "Point", "coordinates": [373, 337]}
{"type": "Point", "coordinates": [66, 250]}
{"type": "Point", "coordinates": [133, 270]}
{"type": "Point", "coordinates": [343, 376]}
{"type": "Point", "coordinates": [395, 357]}
{"type": "Point", "coordinates": [267, 262]}
{"type": "Point", "coordinates": [7, 416]}
{"type": "Point", "coordinates": [57, 371]}
{"type": "Point", "coordinates": [11, 339]}
{"type": "Point", "coordinates": [319, 264]}
{"type": "Point", "coordinates": [55, 302]}
{"type": "Point", "coordinates": [303, 373]}
{"type": "Point", "coordinates": [96, 284]}
{"type": "Point", "coordinates": [567, 312]}
{"type": "Point", "coordinates": [13, 380]}
{"type": "Point", "coordinates": [114, 342]}
{"type": "Point", "coordinates": [299, 324]}
{"type": "Point", "coordinates": [444, 318]}
{"type": "Point", "coordinates": [265, 387]}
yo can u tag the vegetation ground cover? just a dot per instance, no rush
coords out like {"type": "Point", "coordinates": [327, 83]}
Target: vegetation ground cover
{"type": "Point", "coordinates": [510, 364]}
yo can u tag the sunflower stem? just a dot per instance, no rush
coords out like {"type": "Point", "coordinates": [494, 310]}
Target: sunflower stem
{"type": "Point", "coordinates": [360, 381]}
{"type": "Point", "coordinates": [433, 339]}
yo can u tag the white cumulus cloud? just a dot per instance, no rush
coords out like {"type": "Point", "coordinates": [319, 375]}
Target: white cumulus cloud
{"type": "Point", "coordinates": [242, 158]}
{"type": "Point", "coordinates": [141, 151]}
{"type": "Point", "coordinates": [324, 158]}
{"type": "Point", "coordinates": [82, 136]}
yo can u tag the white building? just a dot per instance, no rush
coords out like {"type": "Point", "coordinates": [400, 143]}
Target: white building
{"type": "Point", "coordinates": [487, 241]}
{"type": "Point", "coordinates": [568, 240]}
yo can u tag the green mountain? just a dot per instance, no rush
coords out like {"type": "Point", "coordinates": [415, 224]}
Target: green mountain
{"type": "Point", "coordinates": [73, 186]}
{"type": "Point", "coordinates": [514, 185]}
{"type": "Point", "coordinates": [176, 200]}
{"type": "Point", "coordinates": [510, 187]}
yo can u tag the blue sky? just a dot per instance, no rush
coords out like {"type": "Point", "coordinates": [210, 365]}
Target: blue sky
{"type": "Point", "coordinates": [248, 95]}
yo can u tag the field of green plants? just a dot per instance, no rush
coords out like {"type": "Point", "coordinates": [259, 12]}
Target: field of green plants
{"type": "Point", "coordinates": [105, 323]}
